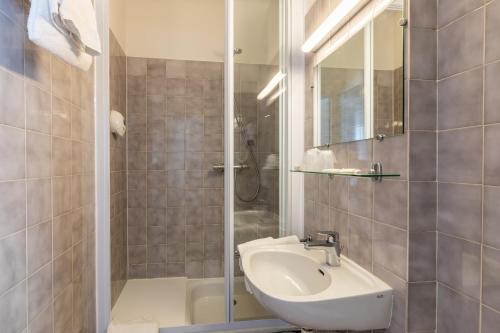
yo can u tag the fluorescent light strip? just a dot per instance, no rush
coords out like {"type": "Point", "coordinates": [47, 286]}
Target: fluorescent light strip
{"type": "Point", "coordinates": [275, 96]}
{"type": "Point", "coordinates": [340, 39]}
{"type": "Point", "coordinates": [361, 20]}
{"type": "Point", "coordinates": [356, 24]}
{"type": "Point", "coordinates": [332, 22]}
{"type": "Point", "coordinates": [381, 6]}
{"type": "Point", "coordinates": [271, 85]}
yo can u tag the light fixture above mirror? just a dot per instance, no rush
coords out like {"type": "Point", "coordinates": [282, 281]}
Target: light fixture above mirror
{"type": "Point", "coordinates": [334, 21]}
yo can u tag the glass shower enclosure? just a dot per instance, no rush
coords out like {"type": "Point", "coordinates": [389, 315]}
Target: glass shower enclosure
{"type": "Point", "coordinates": [255, 72]}
{"type": "Point", "coordinates": [257, 103]}
{"type": "Point", "coordinates": [200, 169]}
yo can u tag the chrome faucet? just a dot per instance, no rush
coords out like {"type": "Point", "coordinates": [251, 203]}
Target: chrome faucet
{"type": "Point", "coordinates": [331, 246]}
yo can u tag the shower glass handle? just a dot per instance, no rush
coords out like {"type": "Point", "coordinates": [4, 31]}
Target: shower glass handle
{"type": "Point", "coordinates": [220, 167]}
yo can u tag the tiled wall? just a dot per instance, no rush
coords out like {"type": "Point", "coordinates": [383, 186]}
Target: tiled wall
{"type": "Point", "coordinates": [420, 122]}
{"type": "Point", "coordinates": [46, 184]}
{"type": "Point", "coordinates": [371, 217]}
{"type": "Point", "coordinates": [175, 199]}
{"type": "Point", "coordinates": [468, 175]}
{"type": "Point", "coordinates": [388, 227]}
{"type": "Point", "coordinates": [118, 162]}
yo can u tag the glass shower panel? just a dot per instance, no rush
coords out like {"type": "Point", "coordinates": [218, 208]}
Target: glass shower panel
{"type": "Point", "coordinates": [167, 220]}
{"type": "Point", "coordinates": [257, 104]}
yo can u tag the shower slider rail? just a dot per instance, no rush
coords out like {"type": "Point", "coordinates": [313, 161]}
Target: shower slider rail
{"type": "Point", "coordinates": [220, 167]}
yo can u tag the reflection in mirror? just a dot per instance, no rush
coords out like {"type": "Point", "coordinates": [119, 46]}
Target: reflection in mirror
{"type": "Point", "coordinates": [341, 94]}
{"type": "Point", "coordinates": [359, 88]}
{"type": "Point", "coordinates": [388, 72]}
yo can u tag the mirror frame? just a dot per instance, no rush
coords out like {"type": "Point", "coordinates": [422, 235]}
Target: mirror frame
{"type": "Point", "coordinates": [368, 85]}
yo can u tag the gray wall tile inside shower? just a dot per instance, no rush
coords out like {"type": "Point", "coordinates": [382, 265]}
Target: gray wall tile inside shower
{"type": "Point", "coordinates": [166, 146]}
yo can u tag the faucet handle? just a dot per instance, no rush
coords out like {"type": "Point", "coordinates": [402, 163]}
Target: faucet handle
{"type": "Point", "coordinates": [331, 236]}
{"type": "Point", "coordinates": [306, 239]}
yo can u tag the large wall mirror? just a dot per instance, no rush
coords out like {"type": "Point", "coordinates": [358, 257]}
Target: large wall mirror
{"type": "Point", "coordinates": [359, 87]}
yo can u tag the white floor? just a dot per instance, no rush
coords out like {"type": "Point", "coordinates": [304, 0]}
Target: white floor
{"type": "Point", "coordinates": [173, 302]}
{"type": "Point", "coordinates": [159, 300]}
{"type": "Point", "coordinates": [210, 309]}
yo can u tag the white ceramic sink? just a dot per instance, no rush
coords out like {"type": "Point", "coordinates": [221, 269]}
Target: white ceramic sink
{"type": "Point", "coordinates": [297, 286]}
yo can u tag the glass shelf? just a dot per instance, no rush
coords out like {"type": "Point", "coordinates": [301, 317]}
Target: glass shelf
{"type": "Point", "coordinates": [362, 174]}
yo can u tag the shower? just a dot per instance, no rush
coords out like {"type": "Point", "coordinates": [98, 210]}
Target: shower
{"type": "Point", "coordinates": [249, 143]}
{"type": "Point", "coordinates": [169, 205]}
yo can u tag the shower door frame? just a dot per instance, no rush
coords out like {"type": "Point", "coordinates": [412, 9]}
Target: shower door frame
{"type": "Point", "coordinates": [229, 159]}
{"type": "Point", "coordinates": [229, 179]}
{"type": "Point", "coordinates": [291, 117]}
{"type": "Point", "coordinates": [102, 174]}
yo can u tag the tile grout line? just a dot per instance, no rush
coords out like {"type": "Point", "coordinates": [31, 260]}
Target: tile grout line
{"type": "Point", "coordinates": [408, 125]}
{"type": "Point", "coordinates": [147, 166]}
{"type": "Point", "coordinates": [52, 299]}
{"type": "Point", "coordinates": [455, 237]}
{"type": "Point", "coordinates": [491, 308]}
{"type": "Point", "coordinates": [459, 292]}
{"type": "Point", "coordinates": [26, 183]}
{"type": "Point", "coordinates": [481, 267]}
{"type": "Point", "coordinates": [457, 74]}
{"type": "Point", "coordinates": [436, 166]}
{"type": "Point", "coordinates": [457, 19]}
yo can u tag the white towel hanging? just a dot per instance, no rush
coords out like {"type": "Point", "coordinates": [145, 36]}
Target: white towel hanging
{"type": "Point", "coordinates": [42, 32]}
{"type": "Point", "coordinates": [78, 16]}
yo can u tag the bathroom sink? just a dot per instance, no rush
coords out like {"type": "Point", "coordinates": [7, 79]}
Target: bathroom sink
{"type": "Point", "coordinates": [297, 286]}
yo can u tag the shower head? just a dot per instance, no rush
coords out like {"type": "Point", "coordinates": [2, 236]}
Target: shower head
{"type": "Point", "coordinates": [237, 51]}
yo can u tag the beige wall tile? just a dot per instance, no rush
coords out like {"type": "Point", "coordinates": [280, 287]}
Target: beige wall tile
{"type": "Point", "coordinates": [39, 292]}
{"type": "Point", "coordinates": [39, 240]}
{"type": "Point", "coordinates": [12, 146]}
{"type": "Point", "coordinates": [38, 109]}
{"type": "Point", "coordinates": [12, 207]}
{"type": "Point", "coordinates": [13, 259]}
{"type": "Point", "coordinates": [11, 100]}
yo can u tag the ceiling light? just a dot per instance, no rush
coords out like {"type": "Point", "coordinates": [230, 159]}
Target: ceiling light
{"type": "Point", "coordinates": [332, 22]}
{"type": "Point", "coordinates": [381, 6]}
{"type": "Point", "coordinates": [275, 96]}
{"type": "Point", "coordinates": [271, 85]}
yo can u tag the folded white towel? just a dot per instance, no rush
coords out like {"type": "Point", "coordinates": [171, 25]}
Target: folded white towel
{"type": "Point", "coordinates": [78, 17]}
{"type": "Point", "coordinates": [138, 327]}
{"type": "Point", "coordinates": [267, 241]}
{"type": "Point", "coordinates": [254, 243]}
{"type": "Point", "coordinates": [344, 170]}
{"type": "Point", "coordinates": [44, 33]}
{"type": "Point", "coordinates": [272, 162]}
{"type": "Point", "coordinates": [286, 240]}
{"type": "Point", "coordinates": [57, 22]}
